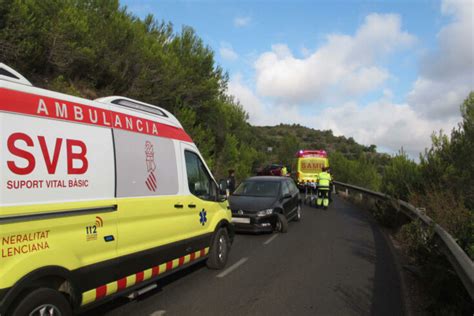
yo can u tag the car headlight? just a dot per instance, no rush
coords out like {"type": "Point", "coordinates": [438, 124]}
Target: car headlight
{"type": "Point", "coordinates": [265, 212]}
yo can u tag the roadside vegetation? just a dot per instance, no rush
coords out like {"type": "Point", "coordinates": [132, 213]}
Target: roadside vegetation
{"type": "Point", "coordinates": [96, 48]}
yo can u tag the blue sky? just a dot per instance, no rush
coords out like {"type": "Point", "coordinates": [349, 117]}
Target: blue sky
{"type": "Point", "coordinates": [383, 83]}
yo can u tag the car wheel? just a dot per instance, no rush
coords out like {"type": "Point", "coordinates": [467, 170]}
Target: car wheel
{"type": "Point", "coordinates": [281, 224]}
{"type": "Point", "coordinates": [298, 213]}
{"type": "Point", "coordinates": [43, 301]}
{"type": "Point", "coordinates": [219, 251]}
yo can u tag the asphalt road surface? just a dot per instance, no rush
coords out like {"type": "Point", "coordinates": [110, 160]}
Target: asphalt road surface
{"type": "Point", "coordinates": [333, 262]}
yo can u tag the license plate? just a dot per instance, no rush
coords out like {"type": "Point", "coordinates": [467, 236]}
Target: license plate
{"type": "Point", "coordinates": [241, 220]}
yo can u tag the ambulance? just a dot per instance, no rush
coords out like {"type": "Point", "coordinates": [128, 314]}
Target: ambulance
{"type": "Point", "coordinates": [308, 164]}
{"type": "Point", "coordinates": [98, 199]}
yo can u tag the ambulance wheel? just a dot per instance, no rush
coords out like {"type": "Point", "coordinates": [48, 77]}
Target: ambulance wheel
{"type": "Point", "coordinates": [281, 224]}
{"type": "Point", "coordinates": [43, 301]}
{"type": "Point", "coordinates": [219, 251]}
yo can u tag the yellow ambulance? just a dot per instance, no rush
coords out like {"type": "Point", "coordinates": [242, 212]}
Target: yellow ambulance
{"type": "Point", "coordinates": [308, 164]}
{"type": "Point", "coordinates": [98, 199]}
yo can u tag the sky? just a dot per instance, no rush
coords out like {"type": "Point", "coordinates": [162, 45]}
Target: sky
{"type": "Point", "coordinates": [384, 72]}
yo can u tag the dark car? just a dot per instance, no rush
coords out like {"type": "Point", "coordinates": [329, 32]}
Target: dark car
{"type": "Point", "coordinates": [270, 170]}
{"type": "Point", "coordinates": [265, 204]}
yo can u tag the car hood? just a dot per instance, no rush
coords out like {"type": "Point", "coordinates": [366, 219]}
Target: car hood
{"type": "Point", "coordinates": [251, 203]}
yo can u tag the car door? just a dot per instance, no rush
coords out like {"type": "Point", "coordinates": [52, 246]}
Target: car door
{"type": "Point", "coordinates": [287, 202]}
{"type": "Point", "coordinates": [295, 194]}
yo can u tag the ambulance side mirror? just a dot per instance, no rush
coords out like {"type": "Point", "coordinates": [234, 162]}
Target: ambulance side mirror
{"type": "Point", "coordinates": [223, 187]}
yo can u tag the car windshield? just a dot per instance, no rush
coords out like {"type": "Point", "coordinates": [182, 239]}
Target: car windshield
{"type": "Point", "coordinates": [258, 188]}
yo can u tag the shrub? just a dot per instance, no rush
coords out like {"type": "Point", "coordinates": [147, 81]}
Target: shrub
{"type": "Point", "coordinates": [401, 177]}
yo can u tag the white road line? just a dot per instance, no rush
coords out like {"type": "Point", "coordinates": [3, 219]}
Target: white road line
{"type": "Point", "coordinates": [232, 267]}
{"type": "Point", "coordinates": [269, 240]}
{"type": "Point", "coordinates": [158, 313]}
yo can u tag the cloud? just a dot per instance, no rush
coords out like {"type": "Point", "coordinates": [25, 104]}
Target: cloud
{"type": "Point", "coordinates": [242, 21]}
{"type": "Point", "coordinates": [389, 125]}
{"type": "Point", "coordinates": [343, 66]}
{"type": "Point", "coordinates": [252, 104]}
{"type": "Point", "coordinates": [262, 113]}
{"type": "Point", "coordinates": [227, 52]}
{"type": "Point", "coordinates": [447, 74]}
{"type": "Point", "coordinates": [384, 123]}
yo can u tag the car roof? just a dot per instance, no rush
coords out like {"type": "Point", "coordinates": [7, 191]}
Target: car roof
{"type": "Point", "coordinates": [267, 178]}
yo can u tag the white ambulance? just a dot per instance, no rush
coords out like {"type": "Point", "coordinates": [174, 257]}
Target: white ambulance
{"type": "Point", "coordinates": [97, 199]}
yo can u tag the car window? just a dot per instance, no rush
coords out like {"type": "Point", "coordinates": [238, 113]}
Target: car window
{"type": "Point", "coordinates": [258, 188]}
{"type": "Point", "coordinates": [293, 187]}
{"type": "Point", "coordinates": [284, 188]}
{"type": "Point", "coordinates": [199, 182]}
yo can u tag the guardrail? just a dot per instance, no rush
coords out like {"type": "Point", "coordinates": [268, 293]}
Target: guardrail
{"type": "Point", "coordinates": [460, 261]}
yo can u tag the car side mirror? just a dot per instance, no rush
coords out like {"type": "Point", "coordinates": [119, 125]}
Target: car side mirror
{"type": "Point", "coordinates": [223, 187]}
{"type": "Point", "coordinates": [222, 198]}
{"type": "Point", "coordinates": [286, 196]}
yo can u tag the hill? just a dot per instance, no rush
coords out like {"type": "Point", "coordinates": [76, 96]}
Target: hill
{"type": "Point", "coordinates": [285, 140]}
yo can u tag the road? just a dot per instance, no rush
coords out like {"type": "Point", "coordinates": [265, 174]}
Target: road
{"type": "Point", "coordinates": [334, 262]}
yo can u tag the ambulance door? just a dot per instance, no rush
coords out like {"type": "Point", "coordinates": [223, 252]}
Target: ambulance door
{"type": "Point", "coordinates": [152, 223]}
{"type": "Point", "coordinates": [201, 203]}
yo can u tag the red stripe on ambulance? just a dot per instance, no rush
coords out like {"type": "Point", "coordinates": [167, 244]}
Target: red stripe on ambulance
{"type": "Point", "coordinates": [42, 106]}
{"type": "Point", "coordinates": [121, 284]}
{"type": "Point", "coordinates": [139, 276]}
{"type": "Point", "coordinates": [169, 265]}
{"type": "Point", "coordinates": [101, 291]}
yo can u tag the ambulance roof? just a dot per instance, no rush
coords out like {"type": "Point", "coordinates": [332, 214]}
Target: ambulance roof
{"type": "Point", "coordinates": [305, 153]}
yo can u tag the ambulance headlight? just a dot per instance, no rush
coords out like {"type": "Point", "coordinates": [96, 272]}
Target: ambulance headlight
{"type": "Point", "coordinates": [265, 212]}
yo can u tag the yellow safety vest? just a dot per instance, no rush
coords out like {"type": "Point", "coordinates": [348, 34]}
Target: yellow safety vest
{"type": "Point", "coordinates": [324, 179]}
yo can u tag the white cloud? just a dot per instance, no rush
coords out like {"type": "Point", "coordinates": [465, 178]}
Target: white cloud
{"type": "Point", "coordinates": [389, 125]}
{"type": "Point", "coordinates": [241, 21]}
{"type": "Point", "coordinates": [227, 52]}
{"type": "Point", "coordinates": [343, 66]}
{"type": "Point", "coordinates": [250, 102]}
{"type": "Point", "coordinates": [385, 124]}
{"type": "Point", "coordinates": [447, 74]}
{"type": "Point", "coordinates": [260, 112]}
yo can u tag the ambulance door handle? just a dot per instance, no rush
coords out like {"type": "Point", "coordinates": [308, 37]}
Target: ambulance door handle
{"type": "Point", "coordinates": [178, 205]}
{"type": "Point", "coordinates": [192, 205]}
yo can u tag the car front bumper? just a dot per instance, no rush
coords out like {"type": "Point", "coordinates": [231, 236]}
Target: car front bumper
{"type": "Point", "coordinates": [256, 224]}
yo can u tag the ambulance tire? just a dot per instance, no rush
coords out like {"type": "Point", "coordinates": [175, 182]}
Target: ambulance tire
{"type": "Point", "coordinates": [50, 299]}
{"type": "Point", "coordinates": [219, 252]}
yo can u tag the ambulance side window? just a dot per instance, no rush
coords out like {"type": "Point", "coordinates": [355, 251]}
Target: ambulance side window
{"type": "Point", "coordinates": [199, 182]}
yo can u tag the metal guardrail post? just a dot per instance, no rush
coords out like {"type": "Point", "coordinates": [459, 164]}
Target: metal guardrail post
{"type": "Point", "coordinates": [459, 260]}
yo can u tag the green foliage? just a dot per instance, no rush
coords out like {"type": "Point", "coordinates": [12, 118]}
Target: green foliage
{"type": "Point", "coordinates": [401, 176]}
{"type": "Point", "coordinates": [418, 241]}
{"type": "Point", "coordinates": [362, 171]}
{"type": "Point", "coordinates": [449, 162]}
{"type": "Point", "coordinates": [445, 290]}
{"type": "Point", "coordinates": [287, 148]}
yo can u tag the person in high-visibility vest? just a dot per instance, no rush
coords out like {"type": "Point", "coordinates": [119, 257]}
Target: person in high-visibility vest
{"type": "Point", "coordinates": [284, 171]}
{"type": "Point", "coordinates": [324, 186]}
